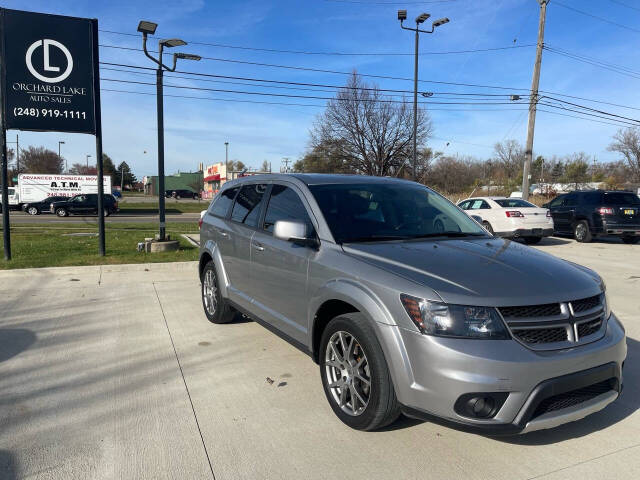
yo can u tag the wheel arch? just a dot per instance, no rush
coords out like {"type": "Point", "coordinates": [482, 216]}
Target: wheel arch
{"type": "Point", "coordinates": [210, 252]}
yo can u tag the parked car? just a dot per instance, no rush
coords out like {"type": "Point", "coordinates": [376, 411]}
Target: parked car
{"type": "Point", "coordinates": [597, 213]}
{"type": "Point", "coordinates": [182, 194]}
{"type": "Point", "coordinates": [84, 204]}
{"type": "Point", "coordinates": [43, 206]}
{"type": "Point", "coordinates": [116, 193]}
{"type": "Point", "coordinates": [511, 217]}
{"type": "Point", "coordinates": [459, 324]}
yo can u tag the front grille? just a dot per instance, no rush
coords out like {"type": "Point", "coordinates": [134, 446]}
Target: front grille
{"type": "Point", "coordinates": [574, 397]}
{"type": "Point", "coordinates": [547, 310]}
{"type": "Point", "coordinates": [589, 328]}
{"type": "Point", "coordinates": [555, 323]}
{"type": "Point", "coordinates": [585, 304]}
{"type": "Point", "coordinates": [541, 335]}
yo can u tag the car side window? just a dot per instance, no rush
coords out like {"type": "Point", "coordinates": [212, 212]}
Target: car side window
{"type": "Point", "coordinates": [571, 200]}
{"type": "Point", "coordinates": [464, 205]}
{"type": "Point", "coordinates": [221, 205]}
{"type": "Point", "coordinates": [478, 205]}
{"type": "Point", "coordinates": [246, 208]}
{"type": "Point", "coordinates": [557, 202]}
{"type": "Point", "coordinates": [285, 204]}
{"type": "Point", "coordinates": [485, 206]}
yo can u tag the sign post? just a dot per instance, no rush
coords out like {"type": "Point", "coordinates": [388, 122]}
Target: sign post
{"type": "Point", "coordinates": [50, 83]}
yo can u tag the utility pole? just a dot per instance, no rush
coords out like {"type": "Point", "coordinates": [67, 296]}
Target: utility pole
{"type": "Point", "coordinates": [122, 177]}
{"type": "Point", "coordinates": [286, 161]}
{"type": "Point", "coordinates": [226, 161]}
{"type": "Point", "coordinates": [17, 155]}
{"type": "Point", "coordinates": [534, 101]}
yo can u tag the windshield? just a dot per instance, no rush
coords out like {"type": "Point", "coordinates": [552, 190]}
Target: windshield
{"type": "Point", "coordinates": [390, 211]}
{"type": "Point", "coordinates": [513, 203]}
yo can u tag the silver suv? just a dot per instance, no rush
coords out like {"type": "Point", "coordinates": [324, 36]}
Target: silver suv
{"type": "Point", "coordinates": [410, 306]}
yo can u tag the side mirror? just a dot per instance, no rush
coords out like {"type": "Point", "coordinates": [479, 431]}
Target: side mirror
{"type": "Point", "coordinates": [292, 231]}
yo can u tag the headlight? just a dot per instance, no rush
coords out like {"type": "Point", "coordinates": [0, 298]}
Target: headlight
{"type": "Point", "coordinates": [443, 320]}
{"type": "Point", "coordinates": [605, 300]}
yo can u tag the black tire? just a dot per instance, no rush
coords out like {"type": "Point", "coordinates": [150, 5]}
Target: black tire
{"type": "Point", "coordinates": [532, 240]}
{"type": "Point", "coordinates": [488, 226]}
{"type": "Point", "coordinates": [382, 407]}
{"type": "Point", "coordinates": [33, 211]}
{"type": "Point", "coordinates": [631, 240]}
{"type": "Point", "coordinates": [62, 212]}
{"type": "Point", "coordinates": [581, 232]}
{"type": "Point", "coordinates": [222, 312]}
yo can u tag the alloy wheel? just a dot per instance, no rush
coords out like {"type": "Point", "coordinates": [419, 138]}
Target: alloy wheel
{"type": "Point", "coordinates": [210, 292]}
{"type": "Point", "coordinates": [32, 211]}
{"type": "Point", "coordinates": [580, 231]}
{"type": "Point", "coordinates": [347, 373]}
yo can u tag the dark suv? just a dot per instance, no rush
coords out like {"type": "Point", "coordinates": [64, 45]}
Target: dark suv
{"type": "Point", "coordinates": [181, 193]}
{"type": "Point", "coordinates": [84, 204]}
{"type": "Point", "coordinates": [586, 214]}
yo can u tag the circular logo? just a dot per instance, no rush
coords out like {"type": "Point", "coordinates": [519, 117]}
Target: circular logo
{"type": "Point", "coordinates": [46, 44]}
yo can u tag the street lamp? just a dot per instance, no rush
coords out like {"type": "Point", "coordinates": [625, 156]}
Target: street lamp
{"type": "Point", "coordinates": [420, 19]}
{"type": "Point", "coordinates": [149, 28]}
{"type": "Point", "coordinates": [66, 165]}
{"type": "Point", "coordinates": [88, 163]}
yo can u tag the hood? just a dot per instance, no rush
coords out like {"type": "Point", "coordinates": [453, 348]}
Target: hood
{"type": "Point", "coordinates": [488, 271]}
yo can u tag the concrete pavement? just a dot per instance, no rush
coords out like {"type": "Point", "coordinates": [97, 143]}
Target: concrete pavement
{"type": "Point", "coordinates": [114, 372]}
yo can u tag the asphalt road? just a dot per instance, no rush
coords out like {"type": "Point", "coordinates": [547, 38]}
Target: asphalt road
{"type": "Point", "coordinates": [114, 372]}
{"type": "Point", "coordinates": [20, 218]}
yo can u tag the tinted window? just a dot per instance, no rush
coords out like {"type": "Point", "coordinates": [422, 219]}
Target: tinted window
{"type": "Point", "coordinates": [557, 202]}
{"type": "Point", "coordinates": [247, 207]}
{"type": "Point", "coordinates": [389, 211]}
{"type": "Point", "coordinates": [621, 198]}
{"type": "Point", "coordinates": [222, 203]}
{"type": "Point", "coordinates": [571, 199]}
{"type": "Point", "coordinates": [285, 204]}
{"type": "Point", "coordinates": [514, 203]}
{"type": "Point", "coordinates": [591, 198]}
{"type": "Point", "coordinates": [464, 205]}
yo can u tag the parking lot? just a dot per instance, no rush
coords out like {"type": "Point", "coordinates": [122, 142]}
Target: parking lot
{"type": "Point", "coordinates": [114, 372]}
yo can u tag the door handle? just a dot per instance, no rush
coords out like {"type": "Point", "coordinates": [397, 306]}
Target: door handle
{"type": "Point", "coordinates": [222, 233]}
{"type": "Point", "coordinates": [257, 246]}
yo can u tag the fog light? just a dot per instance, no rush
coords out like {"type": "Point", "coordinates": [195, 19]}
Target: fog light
{"type": "Point", "coordinates": [480, 405]}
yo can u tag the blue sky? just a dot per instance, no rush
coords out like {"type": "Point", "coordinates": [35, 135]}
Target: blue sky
{"type": "Point", "coordinates": [196, 129]}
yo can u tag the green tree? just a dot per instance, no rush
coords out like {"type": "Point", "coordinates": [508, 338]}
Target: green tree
{"type": "Point", "coordinates": [123, 170]}
{"type": "Point", "coordinates": [324, 157]}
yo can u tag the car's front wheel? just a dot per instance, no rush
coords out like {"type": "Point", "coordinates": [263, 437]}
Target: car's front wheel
{"type": "Point", "coordinates": [581, 232]}
{"type": "Point", "coordinates": [216, 308]}
{"type": "Point", "coordinates": [355, 375]}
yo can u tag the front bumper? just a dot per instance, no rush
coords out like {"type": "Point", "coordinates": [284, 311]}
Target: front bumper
{"type": "Point", "coordinates": [526, 232]}
{"type": "Point", "coordinates": [431, 373]}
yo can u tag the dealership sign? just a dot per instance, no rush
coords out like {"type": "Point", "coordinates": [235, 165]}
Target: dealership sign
{"type": "Point", "coordinates": [49, 72]}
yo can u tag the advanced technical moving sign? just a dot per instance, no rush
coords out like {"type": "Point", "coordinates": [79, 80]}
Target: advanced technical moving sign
{"type": "Point", "coordinates": [49, 72]}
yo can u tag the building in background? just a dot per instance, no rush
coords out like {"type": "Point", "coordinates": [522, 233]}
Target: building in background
{"type": "Point", "coordinates": [214, 177]}
{"type": "Point", "coordinates": [178, 181]}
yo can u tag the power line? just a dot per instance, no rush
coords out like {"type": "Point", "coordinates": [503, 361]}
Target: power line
{"type": "Point", "coordinates": [592, 109]}
{"type": "Point", "coordinates": [610, 22]}
{"type": "Point", "coordinates": [344, 54]}
{"type": "Point", "coordinates": [581, 118]}
{"type": "Point", "coordinates": [625, 5]}
{"type": "Point", "coordinates": [610, 67]}
{"type": "Point", "coordinates": [389, 3]}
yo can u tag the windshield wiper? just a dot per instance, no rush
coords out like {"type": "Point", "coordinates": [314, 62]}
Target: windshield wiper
{"type": "Point", "coordinates": [376, 238]}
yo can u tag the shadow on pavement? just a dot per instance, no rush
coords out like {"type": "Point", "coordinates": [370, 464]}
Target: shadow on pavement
{"type": "Point", "coordinates": [8, 470]}
{"type": "Point", "coordinates": [554, 241]}
{"type": "Point", "coordinates": [13, 341]}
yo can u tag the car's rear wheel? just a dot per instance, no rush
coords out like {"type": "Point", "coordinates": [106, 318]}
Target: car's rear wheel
{"type": "Point", "coordinates": [216, 308]}
{"type": "Point", "coordinates": [631, 240]}
{"type": "Point", "coordinates": [33, 211]}
{"type": "Point", "coordinates": [355, 375]}
{"type": "Point", "coordinates": [62, 212]}
{"type": "Point", "coordinates": [532, 240]}
{"type": "Point", "coordinates": [438, 226]}
{"type": "Point", "coordinates": [488, 226]}
{"type": "Point", "coordinates": [581, 232]}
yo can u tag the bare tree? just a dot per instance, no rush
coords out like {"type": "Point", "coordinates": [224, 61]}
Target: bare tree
{"type": "Point", "coordinates": [82, 169]}
{"type": "Point", "coordinates": [40, 160]}
{"type": "Point", "coordinates": [372, 132]}
{"type": "Point", "coordinates": [509, 155]}
{"type": "Point", "coordinates": [627, 143]}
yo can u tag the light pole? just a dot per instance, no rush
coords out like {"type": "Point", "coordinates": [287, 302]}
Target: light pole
{"type": "Point", "coordinates": [149, 28]}
{"type": "Point", "coordinates": [88, 163]}
{"type": "Point", "coordinates": [226, 161]}
{"type": "Point", "coordinates": [402, 16]}
{"type": "Point", "coordinates": [66, 166]}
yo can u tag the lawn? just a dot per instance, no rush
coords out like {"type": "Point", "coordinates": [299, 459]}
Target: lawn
{"type": "Point", "coordinates": [171, 206]}
{"type": "Point", "coordinates": [70, 244]}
